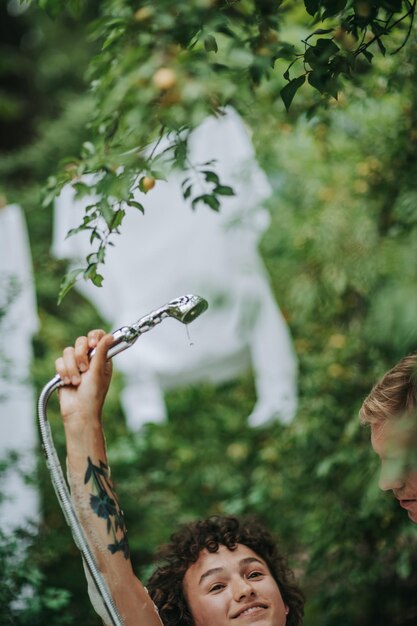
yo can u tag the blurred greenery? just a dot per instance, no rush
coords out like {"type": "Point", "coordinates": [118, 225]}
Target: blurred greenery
{"type": "Point", "coordinates": [341, 253]}
{"type": "Point", "coordinates": [172, 64]}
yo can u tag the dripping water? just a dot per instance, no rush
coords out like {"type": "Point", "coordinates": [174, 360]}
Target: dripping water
{"type": "Point", "coordinates": [191, 343]}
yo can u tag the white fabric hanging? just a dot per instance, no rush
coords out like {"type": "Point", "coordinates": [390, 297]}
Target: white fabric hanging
{"type": "Point", "coordinates": [172, 250]}
{"type": "Point", "coordinates": [18, 323]}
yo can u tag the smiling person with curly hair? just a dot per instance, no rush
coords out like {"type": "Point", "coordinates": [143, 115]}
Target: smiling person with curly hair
{"type": "Point", "coordinates": [215, 572]}
{"type": "Point", "coordinates": [221, 569]}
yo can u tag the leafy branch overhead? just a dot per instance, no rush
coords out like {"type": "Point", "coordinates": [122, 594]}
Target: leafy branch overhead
{"type": "Point", "coordinates": [355, 31]}
{"type": "Point", "coordinates": [163, 66]}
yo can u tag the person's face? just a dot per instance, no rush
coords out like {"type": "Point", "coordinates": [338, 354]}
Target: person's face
{"type": "Point", "coordinates": [395, 442]}
{"type": "Point", "coordinates": [233, 587]}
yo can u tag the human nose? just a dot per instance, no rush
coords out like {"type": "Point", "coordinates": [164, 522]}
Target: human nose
{"type": "Point", "coordinates": [391, 476]}
{"type": "Point", "coordinates": [242, 588]}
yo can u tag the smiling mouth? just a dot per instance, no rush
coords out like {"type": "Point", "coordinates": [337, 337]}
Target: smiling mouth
{"type": "Point", "coordinates": [250, 610]}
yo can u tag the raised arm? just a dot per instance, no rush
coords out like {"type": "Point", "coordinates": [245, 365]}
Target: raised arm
{"type": "Point", "coordinates": [81, 402]}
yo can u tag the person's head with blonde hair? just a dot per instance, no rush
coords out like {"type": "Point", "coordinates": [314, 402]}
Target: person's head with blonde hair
{"type": "Point", "coordinates": [391, 411]}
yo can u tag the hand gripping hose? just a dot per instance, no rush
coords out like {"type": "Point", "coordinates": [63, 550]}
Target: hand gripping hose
{"type": "Point", "coordinates": [185, 309]}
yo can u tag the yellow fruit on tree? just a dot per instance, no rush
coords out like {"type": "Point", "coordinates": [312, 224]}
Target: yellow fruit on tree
{"type": "Point", "coordinates": [147, 183]}
{"type": "Point", "coordinates": [164, 78]}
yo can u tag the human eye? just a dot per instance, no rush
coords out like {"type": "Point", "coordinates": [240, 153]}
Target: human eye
{"type": "Point", "coordinates": [255, 574]}
{"type": "Point", "coordinates": [216, 587]}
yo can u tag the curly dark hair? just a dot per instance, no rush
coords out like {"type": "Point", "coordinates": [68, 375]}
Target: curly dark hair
{"type": "Point", "coordinates": [166, 583]}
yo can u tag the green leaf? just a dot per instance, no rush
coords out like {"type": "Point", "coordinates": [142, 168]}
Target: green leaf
{"type": "Point", "coordinates": [378, 29]}
{"type": "Point", "coordinates": [210, 43]}
{"type": "Point", "coordinates": [94, 235]}
{"type": "Point", "coordinates": [320, 31]}
{"type": "Point", "coordinates": [333, 7]}
{"type": "Point", "coordinates": [381, 47]}
{"type": "Point", "coordinates": [92, 258]}
{"type": "Point", "coordinates": [211, 201]}
{"type": "Point", "coordinates": [319, 55]}
{"type": "Point", "coordinates": [180, 153]}
{"type": "Point", "coordinates": [211, 177]}
{"type": "Point", "coordinates": [68, 282]}
{"type": "Point", "coordinates": [327, 47]}
{"type": "Point", "coordinates": [114, 35]}
{"type": "Point", "coordinates": [317, 80]}
{"type": "Point", "coordinates": [368, 55]}
{"type": "Point", "coordinates": [224, 190]}
{"type": "Point", "coordinates": [101, 254]}
{"type": "Point", "coordinates": [117, 219]}
{"type": "Point", "coordinates": [91, 274]}
{"type": "Point", "coordinates": [97, 279]}
{"type": "Point", "coordinates": [187, 192]}
{"type": "Point", "coordinates": [78, 229]}
{"type": "Point", "coordinates": [312, 6]}
{"type": "Point", "coordinates": [208, 199]}
{"type": "Point", "coordinates": [81, 190]}
{"type": "Point", "coordinates": [288, 92]}
{"type": "Point", "coordinates": [137, 205]}
{"type": "Point", "coordinates": [285, 51]}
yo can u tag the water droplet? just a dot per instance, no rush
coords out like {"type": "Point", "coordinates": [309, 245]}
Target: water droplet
{"type": "Point", "coordinates": [188, 335]}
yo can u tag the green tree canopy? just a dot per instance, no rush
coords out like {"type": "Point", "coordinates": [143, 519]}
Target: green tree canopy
{"type": "Point", "coordinates": [162, 67]}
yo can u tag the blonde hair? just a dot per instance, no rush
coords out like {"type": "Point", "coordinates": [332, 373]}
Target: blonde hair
{"type": "Point", "coordinates": [394, 395]}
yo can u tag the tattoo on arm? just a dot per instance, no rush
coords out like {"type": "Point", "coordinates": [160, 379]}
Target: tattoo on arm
{"type": "Point", "coordinates": [104, 503]}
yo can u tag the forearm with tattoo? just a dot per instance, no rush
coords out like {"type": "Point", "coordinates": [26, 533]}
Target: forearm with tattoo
{"type": "Point", "coordinates": [104, 503]}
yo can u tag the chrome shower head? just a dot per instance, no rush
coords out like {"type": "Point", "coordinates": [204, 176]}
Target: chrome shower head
{"type": "Point", "coordinates": [186, 308]}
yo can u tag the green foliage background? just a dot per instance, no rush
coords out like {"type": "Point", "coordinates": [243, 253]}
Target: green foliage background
{"type": "Point", "coordinates": [341, 252]}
